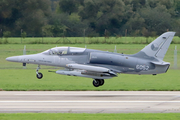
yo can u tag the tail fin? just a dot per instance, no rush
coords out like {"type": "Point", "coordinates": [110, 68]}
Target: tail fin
{"type": "Point", "coordinates": [158, 47]}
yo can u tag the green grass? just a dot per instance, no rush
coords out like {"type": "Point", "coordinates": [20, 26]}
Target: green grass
{"type": "Point", "coordinates": [25, 79]}
{"type": "Point", "coordinates": [71, 116]}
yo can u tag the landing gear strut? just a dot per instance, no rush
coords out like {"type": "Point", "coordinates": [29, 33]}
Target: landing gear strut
{"type": "Point", "coordinates": [38, 74]}
{"type": "Point", "coordinates": [98, 82]}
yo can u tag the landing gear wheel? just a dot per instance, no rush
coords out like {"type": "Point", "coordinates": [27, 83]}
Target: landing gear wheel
{"type": "Point", "coordinates": [39, 75]}
{"type": "Point", "coordinates": [96, 83]}
{"type": "Point", "coordinates": [101, 82]}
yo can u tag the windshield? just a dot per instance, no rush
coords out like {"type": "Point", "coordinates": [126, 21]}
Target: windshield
{"type": "Point", "coordinates": [63, 50]}
{"type": "Point", "coordinates": [56, 51]}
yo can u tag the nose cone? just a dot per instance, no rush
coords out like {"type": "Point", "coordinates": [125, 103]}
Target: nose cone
{"type": "Point", "coordinates": [13, 59]}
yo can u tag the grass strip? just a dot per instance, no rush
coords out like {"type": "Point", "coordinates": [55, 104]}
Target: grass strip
{"type": "Point", "coordinates": [25, 80]}
{"type": "Point", "coordinates": [83, 116]}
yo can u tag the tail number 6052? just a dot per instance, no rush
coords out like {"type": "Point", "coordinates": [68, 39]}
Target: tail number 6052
{"type": "Point", "coordinates": [142, 67]}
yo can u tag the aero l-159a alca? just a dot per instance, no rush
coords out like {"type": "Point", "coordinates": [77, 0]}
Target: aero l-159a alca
{"type": "Point", "coordinates": [101, 65]}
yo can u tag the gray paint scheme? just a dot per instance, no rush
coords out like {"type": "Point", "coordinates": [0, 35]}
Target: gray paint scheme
{"type": "Point", "coordinates": [92, 63]}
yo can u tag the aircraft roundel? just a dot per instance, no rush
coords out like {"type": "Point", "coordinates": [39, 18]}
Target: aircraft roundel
{"type": "Point", "coordinates": [154, 47]}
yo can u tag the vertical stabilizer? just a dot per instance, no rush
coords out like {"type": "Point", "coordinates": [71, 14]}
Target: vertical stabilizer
{"type": "Point", "coordinates": [159, 46]}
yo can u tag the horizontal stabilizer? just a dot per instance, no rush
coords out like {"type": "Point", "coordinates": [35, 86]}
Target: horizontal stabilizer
{"type": "Point", "coordinates": [161, 63]}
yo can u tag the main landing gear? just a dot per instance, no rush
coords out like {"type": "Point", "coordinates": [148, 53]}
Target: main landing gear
{"type": "Point", "coordinates": [98, 82]}
{"type": "Point", "coordinates": [38, 74]}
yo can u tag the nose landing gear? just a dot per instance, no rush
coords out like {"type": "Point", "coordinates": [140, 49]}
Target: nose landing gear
{"type": "Point", "coordinates": [98, 82]}
{"type": "Point", "coordinates": [38, 74]}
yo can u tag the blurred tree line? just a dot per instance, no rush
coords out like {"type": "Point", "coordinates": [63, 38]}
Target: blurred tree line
{"type": "Point", "coordinates": [54, 18]}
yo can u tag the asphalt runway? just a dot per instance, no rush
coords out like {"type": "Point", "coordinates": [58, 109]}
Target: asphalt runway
{"type": "Point", "coordinates": [89, 102]}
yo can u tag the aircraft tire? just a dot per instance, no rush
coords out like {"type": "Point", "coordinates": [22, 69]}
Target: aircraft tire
{"type": "Point", "coordinates": [101, 82]}
{"type": "Point", "coordinates": [39, 75]}
{"type": "Point", "coordinates": [96, 83]}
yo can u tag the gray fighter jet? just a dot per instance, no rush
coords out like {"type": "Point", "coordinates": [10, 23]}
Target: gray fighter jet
{"type": "Point", "coordinates": [101, 65]}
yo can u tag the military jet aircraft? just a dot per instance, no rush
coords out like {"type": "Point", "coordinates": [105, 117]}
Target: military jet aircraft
{"type": "Point", "coordinates": [101, 65]}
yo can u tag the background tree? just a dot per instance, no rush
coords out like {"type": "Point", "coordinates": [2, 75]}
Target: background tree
{"type": "Point", "coordinates": [156, 19]}
{"type": "Point", "coordinates": [68, 6]}
{"type": "Point", "coordinates": [71, 17]}
{"type": "Point", "coordinates": [30, 15]}
{"type": "Point", "coordinates": [135, 25]}
{"type": "Point", "coordinates": [23, 35]}
{"type": "Point", "coordinates": [6, 34]}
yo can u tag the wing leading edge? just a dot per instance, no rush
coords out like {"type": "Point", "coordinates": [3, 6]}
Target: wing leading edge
{"type": "Point", "coordinates": [87, 71]}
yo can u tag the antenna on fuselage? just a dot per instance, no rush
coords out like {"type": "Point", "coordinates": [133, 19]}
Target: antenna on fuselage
{"type": "Point", "coordinates": [24, 53]}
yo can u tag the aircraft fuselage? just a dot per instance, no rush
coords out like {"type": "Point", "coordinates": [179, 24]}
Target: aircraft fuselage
{"type": "Point", "coordinates": [121, 63]}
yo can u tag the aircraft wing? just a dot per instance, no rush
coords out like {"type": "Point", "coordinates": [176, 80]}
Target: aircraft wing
{"type": "Point", "coordinates": [90, 68]}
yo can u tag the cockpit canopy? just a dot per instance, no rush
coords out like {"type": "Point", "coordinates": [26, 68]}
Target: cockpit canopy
{"type": "Point", "coordinates": [63, 50]}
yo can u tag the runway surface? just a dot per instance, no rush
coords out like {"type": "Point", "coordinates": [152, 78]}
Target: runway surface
{"type": "Point", "coordinates": [89, 101]}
